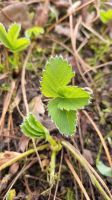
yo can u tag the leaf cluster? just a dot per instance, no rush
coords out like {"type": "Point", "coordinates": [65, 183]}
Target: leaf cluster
{"type": "Point", "coordinates": [106, 16]}
{"type": "Point", "coordinates": [34, 32]}
{"type": "Point", "coordinates": [66, 99]}
{"type": "Point", "coordinates": [10, 38]}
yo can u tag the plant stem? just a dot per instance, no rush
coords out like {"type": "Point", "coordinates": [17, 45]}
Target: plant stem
{"type": "Point", "coordinates": [52, 167]}
{"type": "Point", "coordinates": [23, 155]}
{"type": "Point", "coordinates": [55, 147]}
{"type": "Point", "coordinates": [16, 60]}
{"type": "Point", "coordinates": [84, 163]}
{"type": "Point", "coordinates": [50, 139]}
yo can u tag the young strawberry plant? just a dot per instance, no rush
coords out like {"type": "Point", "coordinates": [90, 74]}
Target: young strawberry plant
{"type": "Point", "coordinates": [14, 43]}
{"type": "Point", "coordinates": [11, 40]}
{"type": "Point", "coordinates": [63, 105]}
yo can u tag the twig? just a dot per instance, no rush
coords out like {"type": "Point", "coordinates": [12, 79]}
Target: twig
{"type": "Point", "coordinates": [95, 33]}
{"type": "Point", "coordinates": [57, 184]}
{"type": "Point", "coordinates": [77, 178]}
{"type": "Point", "coordinates": [73, 34]}
{"type": "Point", "coordinates": [67, 15]}
{"type": "Point", "coordinates": [24, 94]}
{"type": "Point", "coordinates": [101, 138]}
{"type": "Point", "coordinates": [95, 178]}
{"type": "Point", "coordinates": [23, 78]}
{"type": "Point", "coordinates": [6, 104]}
{"type": "Point", "coordinates": [99, 66]}
{"type": "Point", "coordinates": [23, 155]}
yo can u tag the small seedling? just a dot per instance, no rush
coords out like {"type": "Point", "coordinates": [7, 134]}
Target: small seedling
{"type": "Point", "coordinates": [106, 16]}
{"type": "Point", "coordinates": [66, 100]}
{"type": "Point", "coordinates": [34, 32]}
{"type": "Point", "coordinates": [14, 43]}
{"type": "Point", "coordinates": [11, 40]}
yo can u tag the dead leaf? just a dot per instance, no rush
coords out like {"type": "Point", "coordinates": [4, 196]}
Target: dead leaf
{"type": "Point", "coordinates": [61, 30]}
{"type": "Point", "coordinates": [45, 163]}
{"type": "Point", "coordinates": [15, 102]}
{"type": "Point", "coordinates": [4, 182]}
{"type": "Point", "coordinates": [41, 16]}
{"type": "Point", "coordinates": [23, 143]}
{"type": "Point", "coordinates": [16, 12]}
{"type": "Point", "coordinates": [7, 156]}
{"type": "Point", "coordinates": [49, 124]}
{"type": "Point", "coordinates": [14, 168]}
{"type": "Point", "coordinates": [88, 156]}
{"type": "Point", "coordinates": [36, 107]}
{"type": "Point", "coordinates": [61, 3]}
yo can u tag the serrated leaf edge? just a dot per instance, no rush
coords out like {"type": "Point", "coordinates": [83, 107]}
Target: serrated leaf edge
{"type": "Point", "coordinates": [75, 125]}
{"type": "Point", "coordinates": [89, 91]}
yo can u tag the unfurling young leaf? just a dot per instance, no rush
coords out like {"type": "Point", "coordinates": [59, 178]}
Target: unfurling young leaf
{"type": "Point", "coordinates": [66, 99]}
{"type": "Point", "coordinates": [33, 128]}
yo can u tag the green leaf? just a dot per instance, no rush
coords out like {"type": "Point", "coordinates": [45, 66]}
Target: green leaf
{"type": "Point", "coordinates": [70, 194]}
{"type": "Point", "coordinates": [3, 37]}
{"type": "Point", "coordinates": [57, 73]}
{"type": "Point", "coordinates": [103, 169]}
{"type": "Point", "coordinates": [21, 44]}
{"type": "Point", "coordinates": [11, 194]}
{"type": "Point", "coordinates": [106, 16]}
{"type": "Point", "coordinates": [72, 98]}
{"type": "Point", "coordinates": [13, 31]}
{"type": "Point", "coordinates": [66, 121]}
{"type": "Point", "coordinates": [32, 128]}
{"type": "Point", "coordinates": [34, 32]}
{"type": "Point", "coordinates": [10, 38]}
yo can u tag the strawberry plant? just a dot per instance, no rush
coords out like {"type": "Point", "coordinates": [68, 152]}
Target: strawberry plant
{"type": "Point", "coordinates": [11, 40]}
{"type": "Point", "coordinates": [14, 43]}
{"type": "Point", "coordinates": [63, 106]}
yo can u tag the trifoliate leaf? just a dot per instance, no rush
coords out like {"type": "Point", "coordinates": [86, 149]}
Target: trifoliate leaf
{"type": "Point", "coordinates": [66, 121]}
{"type": "Point", "coordinates": [103, 169]}
{"type": "Point", "coordinates": [13, 31]}
{"type": "Point", "coordinates": [57, 73]}
{"type": "Point", "coordinates": [73, 98]}
{"type": "Point", "coordinates": [32, 128]}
